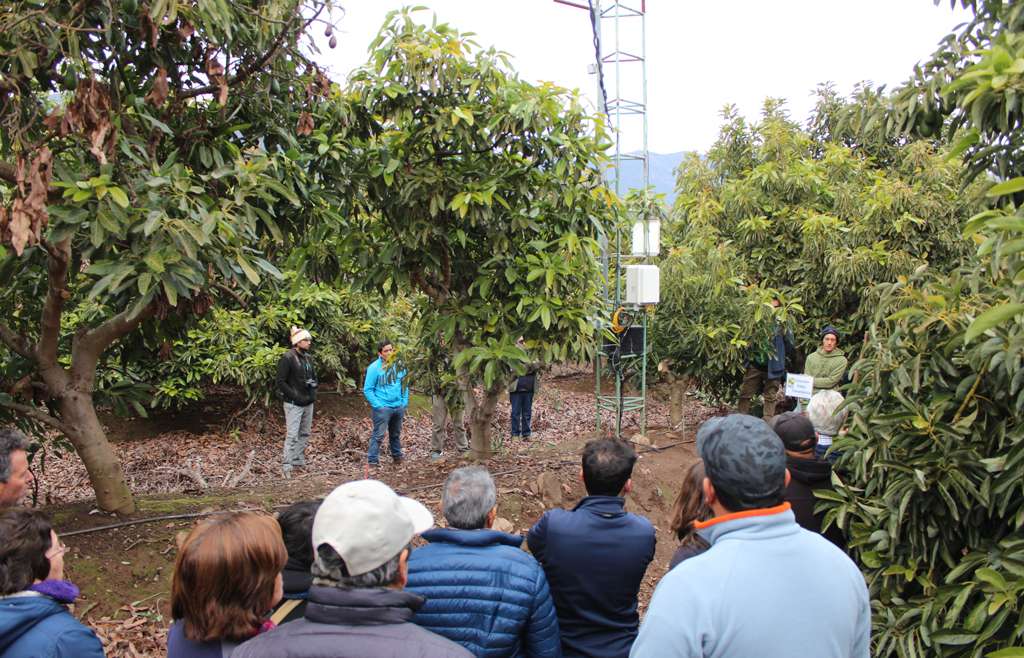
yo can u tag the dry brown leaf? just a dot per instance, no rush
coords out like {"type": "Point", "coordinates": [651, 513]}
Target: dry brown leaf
{"type": "Point", "coordinates": [158, 94]}
{"type": "Point", "coordinates": [305, 124]}
{"type": "Point", "coordinates": [28, 214]}
{"type": "Point", "coordinates": [186, 29]}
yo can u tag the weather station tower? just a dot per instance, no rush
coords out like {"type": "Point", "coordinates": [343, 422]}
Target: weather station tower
{"type": "Point", "coordinates": [631, 280]}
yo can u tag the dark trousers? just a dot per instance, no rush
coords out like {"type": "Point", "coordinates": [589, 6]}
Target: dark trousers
{"type": "Point", "coordinates": [752, 384]}
{"type": "Point", "coordinates": [390, 419]}
{"type": "Point", "coordinates": [522, 412]}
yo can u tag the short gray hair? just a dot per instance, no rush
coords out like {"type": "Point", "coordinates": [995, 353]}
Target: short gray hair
{"type": "Point", "coordinates": [821, 411]}
{"type": "Point", "coordinates": [11, 439]}
{"type": "Point", "coordinates": [469, 495]}
{"type": "Point", "coordinates": [329, 570]}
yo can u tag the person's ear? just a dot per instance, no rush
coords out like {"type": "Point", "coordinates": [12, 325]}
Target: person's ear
{"type": "Point", "coordinates": [788, 477]}
{"type": "Point", "coordinates": [403, 569]}
{"type": "Point", "coordinates": [709, 492]}
{"type": "Point", "coordinates": [581, 475]}
{"type": "Point", "coordinates": [493, 514]}
{"type": "Point", "coordinates": [628, 486]}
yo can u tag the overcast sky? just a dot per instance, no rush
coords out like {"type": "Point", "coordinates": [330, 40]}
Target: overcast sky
{"type": "Point", "coordinates": [701, 55]}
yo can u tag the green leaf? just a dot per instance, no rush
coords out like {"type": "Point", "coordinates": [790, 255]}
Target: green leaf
{"type": "Point", "coordinates": [992, 317]}
{"type": "Point", "coordinates": [1007, 187]}
{"type": "Point", "coordinates": [1009, 652]}
{"type": "Point", "coordinates": [992, 577]}
{"type": "Point", "coordinates": [119, 197]}
{"type": "Point", "coordinates": [154, 262]}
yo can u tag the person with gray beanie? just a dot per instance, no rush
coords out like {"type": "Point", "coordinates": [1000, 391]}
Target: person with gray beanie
{"type": "Point", "coordinates": [738, 598]}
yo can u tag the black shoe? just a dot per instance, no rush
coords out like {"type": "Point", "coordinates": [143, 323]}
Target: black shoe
{"type": "Point", "coordinates": [397, 460]}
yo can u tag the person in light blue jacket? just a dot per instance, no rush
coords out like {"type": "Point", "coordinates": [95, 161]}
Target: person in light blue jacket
{"type": "Point", "coordinates": [482, 590]}
{"type": "Point", "coordinates": [388, 399]}
{"type": "Point", "coordinates": [766, 587]}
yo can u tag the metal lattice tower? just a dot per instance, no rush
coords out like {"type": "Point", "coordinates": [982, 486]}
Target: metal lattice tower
{"type": "Point", "coordinates": [623, 71]}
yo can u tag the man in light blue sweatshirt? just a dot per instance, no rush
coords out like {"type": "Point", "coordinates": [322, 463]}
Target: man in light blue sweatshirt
{"type": "Point", "coordinates": [766, 587]}
{"type": "Point", "coordinates": [388, 399]}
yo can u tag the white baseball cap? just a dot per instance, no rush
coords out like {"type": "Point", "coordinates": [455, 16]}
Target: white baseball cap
{"type": "Point", "coordinates": [367, 524]}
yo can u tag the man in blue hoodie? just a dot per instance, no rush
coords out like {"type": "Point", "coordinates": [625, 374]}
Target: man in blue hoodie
{"type": "Point", "coordinates": [388, 400]}
{"type": "Point", "coordinates": [737, 599]}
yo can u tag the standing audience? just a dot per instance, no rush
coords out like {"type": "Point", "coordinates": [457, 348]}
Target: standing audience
{"type": "Point", "coordinates": [689, 507]}
{"type": "Point", "coordinates": [766, 371]}
{"type": "Point", "coordinates": [358, 606]}
{"type": "Point", "coordinates": [388, 398]}
{"type": "Point", "coordinates": [34, 619]}
{"type": "Point", "coordinates": [737, 599]}
{"type": "Point", "coordinates": [296, 523]}
{"type": "Point", "coordinates": [520, 397]}
{"type": "Point", "coordinates": [827, 364]}
{"type": "Point", "coordinates": [806, 473]}
{"type": "Point", "coordinates": [482, 590]}
{"type": "Point", "coordinates": [297, 385]}
{"type": "Point", "coordinates": [15, 477]}
{"type": "Point", "coordinates": [595, 556]}
{"type": "Point", "coordinates": [226, 579]}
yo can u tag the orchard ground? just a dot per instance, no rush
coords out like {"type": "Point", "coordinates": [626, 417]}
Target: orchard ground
{"type": "Point", "coordinates": [223, 455]}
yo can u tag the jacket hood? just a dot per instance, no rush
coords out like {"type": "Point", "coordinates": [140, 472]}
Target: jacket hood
{"type": "Point", "coordinates": [481, 537]}
{"type": "Point", "coordinates": [761, 523]}
{"type": "Point", "coordinates": [297, 580]}
{"type": "Point", "coordinates": [20, 613]}
{"type": "Point", "coordinates": [361, 607]}
{"type": "Point", "coordinates": [835, 353]}
{"type": "Point", "coordinates": [812, 472]}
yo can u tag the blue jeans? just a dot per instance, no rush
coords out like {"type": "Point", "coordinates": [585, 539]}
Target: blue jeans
{"type": "Point", "coordinates": [522, 412]}
{"type": "Point", "coordinates": [389, 418]}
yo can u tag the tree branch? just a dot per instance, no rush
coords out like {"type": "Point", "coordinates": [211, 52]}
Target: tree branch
{"type": "Point", "coordinates": [59, 256]}
{"type": "Point", "coordinates": [36, 414]}
{"type": "Point", "coordinates": [89, 345]}
{"type": "Point", "coordinates": [16, 342]}
{"type": "Point", "coordinates": [255, 66]}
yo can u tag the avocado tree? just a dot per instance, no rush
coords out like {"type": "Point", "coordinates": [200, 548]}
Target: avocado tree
{"type": "Point", "coordinates": [483, 192]}
{"type": "Point", "coordinates": [816, 217]}
{"type": "Point", "coordinates": [148, 167]}
{"type": "Point", "coordinates": [931, 495]}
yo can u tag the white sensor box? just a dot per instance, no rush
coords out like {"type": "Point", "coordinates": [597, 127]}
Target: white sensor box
{"type": "Point", "coordinates": [643, 284]}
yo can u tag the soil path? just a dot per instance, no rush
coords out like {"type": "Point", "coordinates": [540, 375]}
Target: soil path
{"type": "Point", "coordinates": [124, 572]}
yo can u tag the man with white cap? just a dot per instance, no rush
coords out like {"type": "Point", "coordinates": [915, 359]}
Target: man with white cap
{"type": "Point", "coordinates": [297, 384]}
{"type": "Point", "coordinates": [357, 605]}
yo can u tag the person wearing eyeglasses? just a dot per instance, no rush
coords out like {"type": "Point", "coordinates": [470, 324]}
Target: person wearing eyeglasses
{"type": "Point", "coordinates": [34, 619]}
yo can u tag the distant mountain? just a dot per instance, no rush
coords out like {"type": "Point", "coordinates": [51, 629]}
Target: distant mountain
{"type": "Point", "coordinates": [662, 174]}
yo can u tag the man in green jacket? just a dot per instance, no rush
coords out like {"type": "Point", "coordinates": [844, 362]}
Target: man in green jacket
{"type": "Point", "coordinates": [828, 363]}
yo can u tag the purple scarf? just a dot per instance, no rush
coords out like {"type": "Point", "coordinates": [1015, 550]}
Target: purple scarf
{"type": "Point", "coordinates": [62, 591]}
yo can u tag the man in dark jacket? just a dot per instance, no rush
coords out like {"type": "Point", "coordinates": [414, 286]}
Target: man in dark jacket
{"type": "Point", "coordinates": [357, 606]}
{"type": "Point", "coordinates": [296, 523]}
{"type": "Point", "coordinates": [767, 370]}
{"type": "Point", "coordinates": [297, 384]}
{"type": "Point", "coordinates": [806, 473]}
{"type": "Point", "coordinates": [482, 590]}
{"type": "Point", "coordinates": [595, 556]}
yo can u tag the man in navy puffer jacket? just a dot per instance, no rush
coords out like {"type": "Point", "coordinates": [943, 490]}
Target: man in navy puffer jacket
{"type": "Point", "coordinates": [482, 590]}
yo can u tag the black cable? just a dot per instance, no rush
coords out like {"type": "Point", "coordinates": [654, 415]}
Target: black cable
{"type": "Point", "coordinates": [594, 18]}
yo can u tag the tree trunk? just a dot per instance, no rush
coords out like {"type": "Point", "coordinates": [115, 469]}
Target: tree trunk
{"type": "Point", "coordinates": [480, 413]}
{"type": "Point", "coordinates": [86, 433]}
{"type": "Point", "coordinates": [678, 387]}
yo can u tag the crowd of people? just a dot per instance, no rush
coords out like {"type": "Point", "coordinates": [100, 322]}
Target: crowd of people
{"type": "Point", "coordinates": [341, 576]}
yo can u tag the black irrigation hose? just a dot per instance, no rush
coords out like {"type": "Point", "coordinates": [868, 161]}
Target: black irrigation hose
{"type": "Point", "coordinates": [196, 515]}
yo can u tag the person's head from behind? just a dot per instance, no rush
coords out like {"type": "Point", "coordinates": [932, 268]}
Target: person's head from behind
{"type": "Point", "coordinates": [228, 576]}
{"type": "Point", "coordinates": [470, 500]}
{"type": "Point", "coordinates": [796, 433]}
{"type": "Point", "coordinates": [689, 505]}
{"type": "Point", "coordinates": [361, 536]}
{"type": "Point", "coordinates": [823, 414]}
{"type": "Point", "coordinates": [296, 523]}
{"type": "Point", "coordinates": [15, 477]}
{"type": "Point", "coordinates": [29, 550]}
{"type": "Point", "coordinates": [745, 464]}
{"type": "Point", "coordinates": [607, 467]}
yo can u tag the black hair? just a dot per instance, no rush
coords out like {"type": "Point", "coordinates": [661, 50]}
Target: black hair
{"type": "Point", "coordinates": [382, 344]}
{"type": "Point", "coordinates": [296, 523]}
{"type": "Point", "coordinates": [607, 466]}
{"type": "Point", "coordinates": [24, 540]}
